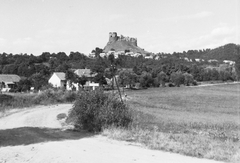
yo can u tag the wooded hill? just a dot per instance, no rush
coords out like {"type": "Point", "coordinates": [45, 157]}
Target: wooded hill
{"type": "Point", "coordinates": [225, 52]}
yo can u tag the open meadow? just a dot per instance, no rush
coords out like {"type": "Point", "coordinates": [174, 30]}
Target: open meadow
{"type": "Point", "coordinates": [197, 121]}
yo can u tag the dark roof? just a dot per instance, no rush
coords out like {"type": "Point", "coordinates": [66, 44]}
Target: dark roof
{"type": "Point", "coordinates": [9, 78]}
{"type": "Point", "coordinates": [60, 75]}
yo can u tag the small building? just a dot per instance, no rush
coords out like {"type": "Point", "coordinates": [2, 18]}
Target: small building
{"type": "Point", "coordinates": [148, 57]}
{"type": "Point", "coordinates": [84, 72]}
{"type": "Point", "coordinates": [58, 80]}
{"type": "Point", "coordinates": [229, 62]}
{"type": "Point", "coordinates": [8, 81]}
{"type": "Point", "coordinates": [197, 59]}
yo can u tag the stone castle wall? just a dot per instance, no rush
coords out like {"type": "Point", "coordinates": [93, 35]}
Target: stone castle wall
{"type": "Point", "coordinates": [114, 37]}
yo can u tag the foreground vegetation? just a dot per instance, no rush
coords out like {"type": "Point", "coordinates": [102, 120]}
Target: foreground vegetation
{"type": "Point", "coordinates": [198, 121]}
{"type": "Point", "coordinates": [46, 97]}
{"type": "Point", "coordinates": [96, 110]}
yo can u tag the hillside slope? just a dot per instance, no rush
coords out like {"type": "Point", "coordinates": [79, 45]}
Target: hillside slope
{"type": "Point", "coordinates": [226, 52]}
{"type": "Point", "coordinates": [121, 43]}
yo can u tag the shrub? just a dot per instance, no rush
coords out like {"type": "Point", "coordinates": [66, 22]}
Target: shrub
{"type": "Point", "coordinates": [69, 96]}
{"type": "Point", "coordinates": [95, 110]}
{"type": "Point", "coordinates": [188, 79]}
{"type": "Point", "coordinates": [61, 116]}
{"type": "Point", "coordinates": [50, 96]}
{"type": "Point", "coordinates": [194, 83]}
{"type": "Point", "coordinates": [5, 98]}
{"type": "Point", "coordinates": [171, 85]}
{"type": "Point", "coordinates": [177, 78]}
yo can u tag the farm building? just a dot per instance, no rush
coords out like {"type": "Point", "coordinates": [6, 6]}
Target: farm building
{"type": "Point", "coordinates": [8, 81]}
{"type": "Point", "coordinates": [58, 80]}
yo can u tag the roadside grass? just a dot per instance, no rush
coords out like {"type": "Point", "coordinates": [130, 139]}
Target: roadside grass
{"type": "Point", "coordinates": [202, 122]}
{"type": "Point", "coordinates": [22, 100]}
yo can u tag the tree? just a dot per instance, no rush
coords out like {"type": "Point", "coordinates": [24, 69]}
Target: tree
{"type": "Point", "coordinates": [97, 51]}
{"type": "Point", "coordinates": [38, 80]}
{"type": "Point", "coordinates": [195, 71]}
{"type": "Point", "coordinates": [82, 80]}
{"type": "Point", "coordinates": [188, 79]}
{"type": "Point", "coordinates": [177, 78]}
{"type": "Point", "coordinates": [62, 57]}
{"type": "Point", "coordinates": [62, 67]}
{"type": "Point", "coordinates": [10, 69]}
{"type": "Point", "coordinates": [162, 78]}
{"type": "Point", "coordinates": [225, 75]}
{"type": "Point", "coordinates": [214, 74]}
{"type": "Point", "coordinates": [237, 66]}
{"type": "Point", "coordinates": [45, 56]}
{"type": "Point", "coordinates": [146, 80]}
{"type": "Point", "coordinates": [25, 70]}
{"type": "Point", "coordinates": [23, 85]}
{"type": "Point", "coordinates": [99, 78]}
{"type": "Point", "coordinates": [127, 78]}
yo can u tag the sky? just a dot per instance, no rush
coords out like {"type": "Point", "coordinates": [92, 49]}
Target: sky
{"type": "Point", "coordinates": [36, 26]}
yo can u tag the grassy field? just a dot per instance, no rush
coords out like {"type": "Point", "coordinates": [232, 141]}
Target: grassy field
{"type": "Point", "coordinates": [197, 121]}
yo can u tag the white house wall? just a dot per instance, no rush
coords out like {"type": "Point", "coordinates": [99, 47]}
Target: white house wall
{"type": "Point", "coordinates": [55, 81]}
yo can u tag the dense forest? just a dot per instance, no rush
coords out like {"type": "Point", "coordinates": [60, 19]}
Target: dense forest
{"type": "Point", "coordinates": [36, 70]}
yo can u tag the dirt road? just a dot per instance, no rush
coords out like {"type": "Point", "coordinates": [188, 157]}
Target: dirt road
{"type": "Point", "coordinates": [36, 136]}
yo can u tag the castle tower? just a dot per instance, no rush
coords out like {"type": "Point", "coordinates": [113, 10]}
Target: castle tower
{"type": "Point", "coordinates": [113, 36]}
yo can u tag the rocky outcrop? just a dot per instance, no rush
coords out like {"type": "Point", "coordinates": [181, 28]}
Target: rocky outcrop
{"type": "Point", "coordinates": [122, 43]}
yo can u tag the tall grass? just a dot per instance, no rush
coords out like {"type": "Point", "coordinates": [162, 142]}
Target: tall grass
{"type": "Point", "coordinates": [200, 122]}
{"type": "Point", "coordinates": [49, 96]}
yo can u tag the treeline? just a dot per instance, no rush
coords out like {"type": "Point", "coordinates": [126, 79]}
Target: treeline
{"type": "Point", "coordinates": [36, 70]}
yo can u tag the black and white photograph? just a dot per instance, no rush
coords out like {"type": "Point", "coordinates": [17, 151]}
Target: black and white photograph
{"type": "Point", "coordinates": [119, 81]}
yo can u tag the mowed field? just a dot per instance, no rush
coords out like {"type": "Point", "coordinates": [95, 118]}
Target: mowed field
{"type": "Point", "coordinates": [197, 121]}
{"type": "Point", "coordinates": [211, 105]}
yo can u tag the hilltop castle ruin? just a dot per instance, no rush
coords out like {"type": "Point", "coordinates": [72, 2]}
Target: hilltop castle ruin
{"type": "Point", "coordinates": [113, 37]}
{"type": "Point", "coordinates": [122, 43]}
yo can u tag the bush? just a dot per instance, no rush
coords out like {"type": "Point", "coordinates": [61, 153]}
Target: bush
{"type": "Point", "coordinates": [194, 83]}
{"type": "Point", "coordinates": [177, 78]}
{"type": "Point", "coordinates": [50, 96]}
{"type": "Point", "coordinates": [95, 110]}
{"type": "Point", "coordinates": [171, 85]}
{"type": "Point", "coordinates": [5, 100]}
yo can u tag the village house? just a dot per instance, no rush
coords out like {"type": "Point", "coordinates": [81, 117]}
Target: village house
{"type": "Point", "coordinates": [8, 81]}
{"type": "Point", "coordinates": [58, 80]}
{"type": "Point", "coordinates": [229, 62]}
{"type": "Point", "coordinates": [197, 60]}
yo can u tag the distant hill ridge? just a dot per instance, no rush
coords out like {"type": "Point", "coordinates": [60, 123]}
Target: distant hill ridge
{"type": "Point", "coordinates": [122, 43]}
{"type": "Point", "coordinates": [226, 52]}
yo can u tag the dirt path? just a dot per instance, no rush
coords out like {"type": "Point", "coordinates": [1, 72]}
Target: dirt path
{"type": "Point", "coordinates": [36, 136]}
{"type": "Point", "coordinates": [41, 116]}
